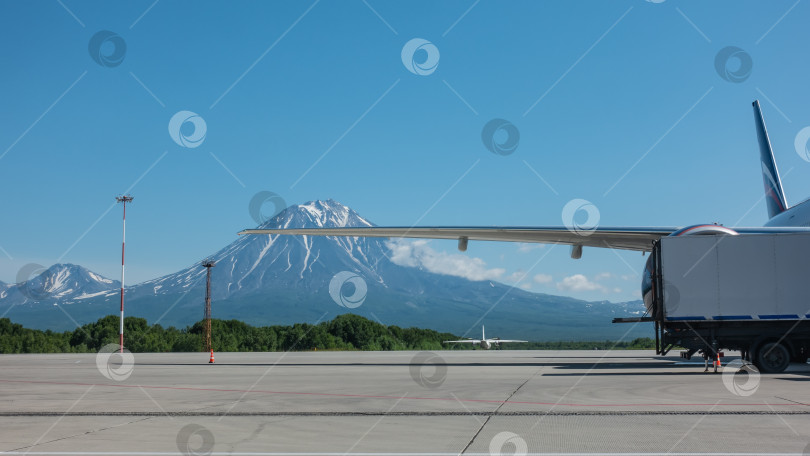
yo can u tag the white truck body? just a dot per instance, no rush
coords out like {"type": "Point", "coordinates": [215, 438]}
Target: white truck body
{"type": "Point", "coordinates": [751, 277]}
{"type": "Point", "coordinates": [746, 292]}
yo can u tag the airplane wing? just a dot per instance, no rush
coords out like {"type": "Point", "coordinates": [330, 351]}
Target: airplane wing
{"type": "Point", "coordinates": [622, 238]}
{"type": "Point", "coordinates": [625, 238]}
{"type": "Point", "coordinates": [500, 341]}
{"type": "Point", "coordinates": [465, 341]}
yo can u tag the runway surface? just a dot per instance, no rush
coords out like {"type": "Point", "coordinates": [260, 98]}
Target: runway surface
{"type": "Point", "coordinates": [471, 402]}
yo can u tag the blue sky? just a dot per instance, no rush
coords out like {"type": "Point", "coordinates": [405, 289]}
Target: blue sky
{"type": "Point", "coordinates": [618, 103]}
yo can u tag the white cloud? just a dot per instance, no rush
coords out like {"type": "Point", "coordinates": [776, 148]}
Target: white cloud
{"type": "Point", "coordinates": [543, 278]}
{"type": "Point", "coordinates": [418, 254]}
{"type": "Point", "coordinates": [603, 276]}
{"type": "Point", "coordinates": [517, 276]}
{"type": "Point", "coordinates": [524, 247]}
{"type": "Point", "coordinates": [579, 283]}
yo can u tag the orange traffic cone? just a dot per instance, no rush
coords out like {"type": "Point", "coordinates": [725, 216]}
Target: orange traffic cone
{"type": "Point", "coordinates": [211, 361]}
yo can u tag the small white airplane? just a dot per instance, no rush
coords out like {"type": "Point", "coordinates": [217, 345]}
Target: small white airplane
{"type": "Point", "coordinates": [483, 342]}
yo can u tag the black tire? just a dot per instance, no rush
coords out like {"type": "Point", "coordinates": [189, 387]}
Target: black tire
{"type": "Point", "coordinates": [772, 357]}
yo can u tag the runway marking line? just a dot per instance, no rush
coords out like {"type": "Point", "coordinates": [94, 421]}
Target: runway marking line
{"type": "Point", "coordinates": [215, 453]}
{"type": "Point", "coordinates": [490, 401]}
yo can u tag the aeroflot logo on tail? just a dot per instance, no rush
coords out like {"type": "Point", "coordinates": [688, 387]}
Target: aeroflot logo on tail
{"type": "Point", "coordinates": [772, 189]}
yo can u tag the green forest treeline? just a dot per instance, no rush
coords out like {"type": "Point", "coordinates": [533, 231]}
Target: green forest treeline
{"type": "Point", "coordinates": [344, 332]}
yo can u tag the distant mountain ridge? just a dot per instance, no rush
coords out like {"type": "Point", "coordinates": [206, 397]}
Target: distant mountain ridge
{"type": "Point", "coordinates": [286, 279]}
{"type": "Point", "coordinates": [60, 282]}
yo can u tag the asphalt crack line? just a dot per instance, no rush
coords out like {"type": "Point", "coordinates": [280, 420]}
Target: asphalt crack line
{"type": "Point", "coordinates": [496, 412]}
{"type": "Point", "coordinates": [92, 431]}
{"type": "Point", "coordinates": [790, 400]}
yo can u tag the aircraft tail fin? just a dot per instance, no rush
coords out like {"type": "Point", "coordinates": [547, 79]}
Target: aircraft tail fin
{"type": "Point", "coordinates": [774, 195]}
{"type": "Point", "coordinates": [483, 336]}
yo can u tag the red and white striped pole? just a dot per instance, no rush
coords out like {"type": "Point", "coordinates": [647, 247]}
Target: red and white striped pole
{"type": "Point", "coordinates": [123, 199]}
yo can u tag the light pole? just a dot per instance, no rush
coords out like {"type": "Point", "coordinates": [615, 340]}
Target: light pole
{"type": "Point", "coordinates": [208, 264]}
{"type": "Point", "coordinates": [123, 199]}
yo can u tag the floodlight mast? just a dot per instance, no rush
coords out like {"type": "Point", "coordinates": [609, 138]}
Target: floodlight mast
{"type": "Point", "coordinates": [122, 199]}
{"type": "Point", "coordinates": [208, 264]}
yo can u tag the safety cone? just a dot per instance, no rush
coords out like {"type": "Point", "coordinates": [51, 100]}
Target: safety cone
{"type": "Point", "coordinates": [211, 361]}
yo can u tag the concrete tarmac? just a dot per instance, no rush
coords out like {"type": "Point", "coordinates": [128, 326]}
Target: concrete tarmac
{"type": "Point", "coordinates": [470, 402]}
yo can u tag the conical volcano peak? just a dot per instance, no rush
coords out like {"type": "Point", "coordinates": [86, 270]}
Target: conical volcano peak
{"type": "Point", "coordinates": [56, 275]}
{"type": "Point", "coordinates": [316, 214]}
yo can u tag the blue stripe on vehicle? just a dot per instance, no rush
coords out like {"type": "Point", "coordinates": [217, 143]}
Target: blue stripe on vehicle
{"type": "Point", "coordinates": [732, 317]}
{"type": "Point", "coordinates": [778, 317]}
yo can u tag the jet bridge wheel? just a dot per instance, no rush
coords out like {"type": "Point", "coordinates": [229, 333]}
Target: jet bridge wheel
{"type": "Point", "coordinates": [772, 357]}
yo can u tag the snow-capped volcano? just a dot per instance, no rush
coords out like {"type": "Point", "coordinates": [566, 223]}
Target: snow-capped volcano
{"type": "Point", "coordinates": [253, 263]}
{"type": "Point", "coordinates": [60, 282]}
